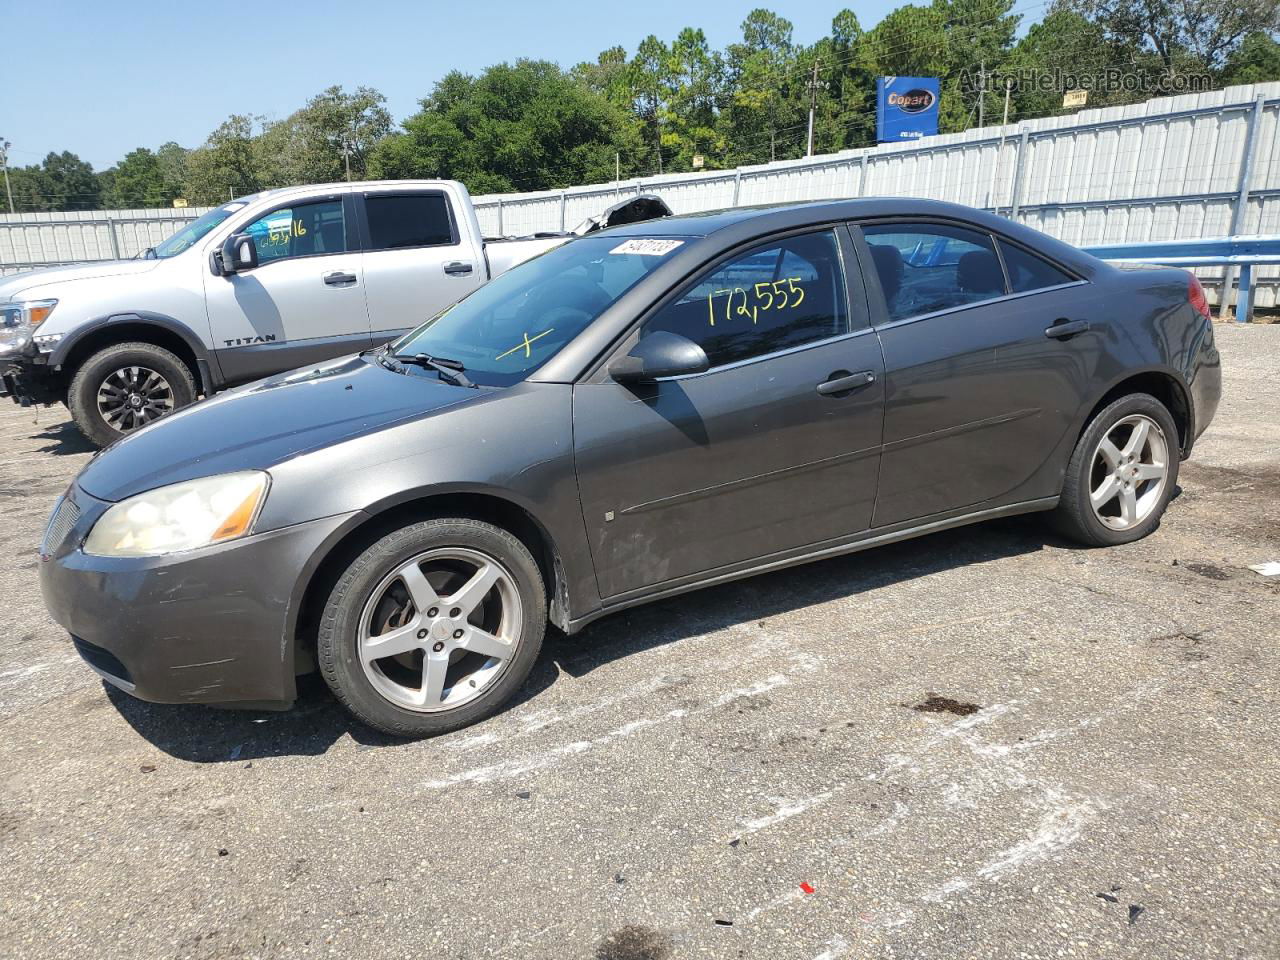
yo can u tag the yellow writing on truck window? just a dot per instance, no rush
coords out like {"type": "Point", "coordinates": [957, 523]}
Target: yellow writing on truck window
{"type": "Point", "coordinates": [280, 236]}
{"type": "Point", "coordinates": [525, 345]}
{"type": "Point", "coordinates": [785, 294]}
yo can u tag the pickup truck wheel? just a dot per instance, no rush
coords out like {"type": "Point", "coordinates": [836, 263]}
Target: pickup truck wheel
{"type": "Point", "coordinates": [434, 627]}
{"type": "Point", "coordinates": [125, 387]}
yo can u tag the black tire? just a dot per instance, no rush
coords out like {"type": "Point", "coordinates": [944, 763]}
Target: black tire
{"type": "Point", "coordinates": [1074, 517]}
{"type": "Point", "coordinates": [337, 641]}
{"type": "Point", "coordinates": [93, 374]}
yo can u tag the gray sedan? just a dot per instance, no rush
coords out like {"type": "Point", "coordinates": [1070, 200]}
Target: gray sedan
{"type": "Point", "coordinates": [633, 415]}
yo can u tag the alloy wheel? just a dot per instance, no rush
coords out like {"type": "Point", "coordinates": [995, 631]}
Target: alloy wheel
{"type": "Point", "coordinates": [132, 397]}
{"type": "Point", "coordinates": [440, 629]}
{"type": "Point", "coordinates": [1129, 471]}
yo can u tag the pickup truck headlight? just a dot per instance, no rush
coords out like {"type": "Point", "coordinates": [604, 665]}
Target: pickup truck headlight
{"type": "Point", "coordinates": [18, 321]}
{"type": "Point", "coordinates": [179, 517]}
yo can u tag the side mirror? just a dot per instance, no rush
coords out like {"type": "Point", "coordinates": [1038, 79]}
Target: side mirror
{"type": "Point", "coordinates": [661, 354]}
{"type": "Point", "coordinates": [239, 253]}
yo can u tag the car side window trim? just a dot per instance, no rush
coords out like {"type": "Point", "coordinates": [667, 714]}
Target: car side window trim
{"type": "Point", "coordinates": [290, 204]}
{"type": "Point", "coordinates": [857, 314]}
{"type": "Point", "coordinates": [871, 279]}
{"type": "Point", "coordinates": [366, 233]}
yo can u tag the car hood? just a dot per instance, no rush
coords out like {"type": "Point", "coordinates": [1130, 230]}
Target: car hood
{"type": "Point", "coordinates": [12, 286]}
{"type": "Point", "coordinates": [265, 423]}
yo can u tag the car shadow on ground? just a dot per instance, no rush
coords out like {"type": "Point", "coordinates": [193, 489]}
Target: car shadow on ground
{"type": "Point", "coordinates": [203, 734]}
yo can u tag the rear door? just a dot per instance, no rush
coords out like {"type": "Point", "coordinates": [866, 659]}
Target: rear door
{"type": "Point", "coordinates": [418, 257]}
{"type": "Point", "coordinates": [979, 397]}
{"type": "Point", "coordinates": [305, 300]}
{"type": "Point", "coordinates": [691, 474]}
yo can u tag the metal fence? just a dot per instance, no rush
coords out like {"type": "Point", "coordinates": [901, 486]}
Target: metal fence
{"type": "Point", "coordinates": [1199, 165]}
{"type": "Point", "coordinates": [1186, 167]}
{"type": "Point", "coordinates": [29, 241]}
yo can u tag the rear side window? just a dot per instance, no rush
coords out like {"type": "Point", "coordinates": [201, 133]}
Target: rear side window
{"type": "Point", "coordinates": [781, 295]}
{"type": "Point", "coordinates": [400, 221]}
{"type": "Point", "coordinates": [928, 267]}
{"type": "Point", "coordinates": [303, 230]}
{"type": "Point", "coordinates": [1029, 272]}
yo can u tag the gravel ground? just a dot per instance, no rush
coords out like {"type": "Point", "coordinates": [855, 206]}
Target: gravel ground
{"type": "Point", "coordinates": [984, 743]}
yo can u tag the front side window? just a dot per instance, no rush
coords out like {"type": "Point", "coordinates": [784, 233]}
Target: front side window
{"type": "Point", "coordinates": [196, 229]}
{"type": "Point", "coordinates": [518, 321]}
{"type": "Point", "coordinates": [303, 230]}
{"type": "Point", "coordinates": [1028, 272]}
{"type": "Point", "coordinates": [928, 267]}
{"type": "Point", "coordinates": [401, 221]}
{"type": "Point", "coordinates": [785, 294]}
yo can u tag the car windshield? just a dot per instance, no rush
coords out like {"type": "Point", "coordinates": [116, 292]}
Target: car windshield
{"type": "Point", "coordinates": [511, 326]}
{"type": "Point", "coordinates": [196, 229]}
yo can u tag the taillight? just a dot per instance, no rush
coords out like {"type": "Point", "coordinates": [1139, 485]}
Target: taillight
{"type": "Point", "coordinates": [1196, 297]}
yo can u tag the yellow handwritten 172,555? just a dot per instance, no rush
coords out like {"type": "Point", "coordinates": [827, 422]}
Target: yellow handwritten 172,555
{"type": "Point", "coordinates": [785, 294]}
{"type": "Point", "coordinates": [525, 345]}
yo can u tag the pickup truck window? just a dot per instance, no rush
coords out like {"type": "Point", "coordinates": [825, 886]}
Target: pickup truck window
{"type": "Point", "coordinates": [303, 230]}
{"type": "Point", "coordinates": [521, 319]}
{"type": "Point", "coordinates": [400, 221]}
{"type": "Point", "coordinates": [193, 231]}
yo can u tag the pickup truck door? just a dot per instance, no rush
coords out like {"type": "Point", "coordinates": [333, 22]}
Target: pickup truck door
{"type": "Point", "coordinates": [419, 257]}
{"type": "Point", "coordinates": [303, 303]}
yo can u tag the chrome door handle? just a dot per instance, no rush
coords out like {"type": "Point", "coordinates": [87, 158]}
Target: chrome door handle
{"type": "Point", "coordinates": [842, 382]}
{"type": "Point", "coordinates": [339, 279]}
{"type": "Point", "coordinates": [458, 268]}
{"type": "Point", "coordinates": [1064, 328]}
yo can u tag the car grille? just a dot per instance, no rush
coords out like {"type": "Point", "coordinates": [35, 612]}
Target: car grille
{"type": "Point", "coordinates": [65, 515]}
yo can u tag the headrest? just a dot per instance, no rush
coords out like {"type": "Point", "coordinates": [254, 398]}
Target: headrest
{"type": "Point", "coordinates": [889, 266]}
{"type": "Point", "coordinates": [979, 272]}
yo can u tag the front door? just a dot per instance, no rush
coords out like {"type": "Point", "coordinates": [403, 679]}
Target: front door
{"type": "Point", "coordinates": [979, 397]}
{"type": "Point", "coordinates": [686, 475]}
{"type": "Point", "coordinates": [416, 261]}
{"type": "Point", "coordinates": [303, 303]}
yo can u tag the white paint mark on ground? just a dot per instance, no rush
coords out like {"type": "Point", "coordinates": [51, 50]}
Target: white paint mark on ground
{"type": "Point", "coordinates": [836, 947]}
{"type": "Point", "coordinates": [786, 810]}
{"type": "Point", "coordinates": [507, 769]}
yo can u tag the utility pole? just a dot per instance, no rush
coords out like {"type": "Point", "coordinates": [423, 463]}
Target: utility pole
{"type": "Point", "coordinates": [1008, 85]}
{"type": "Point", "coordinates": [982, 92]}
{"type": "Point", "coordinates": [617, 173]}
{"type": "Point", "coordinates": [773, 155]}
{"type": "Point", "coordinates": [346, 156]}
{"type": "Point", "coordinates": [4, 162]}
{"type": "Point", "coordinates": [813, 102]}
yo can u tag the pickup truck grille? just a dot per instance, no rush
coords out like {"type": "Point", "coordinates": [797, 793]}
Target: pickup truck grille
{"type": "Point", "coordinates": [65, 515]}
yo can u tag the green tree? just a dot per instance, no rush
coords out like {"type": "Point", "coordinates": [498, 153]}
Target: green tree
{"type": "Point", "coordinates": [313, 144]}
{"type": "Point", "coordinates": [1184, 36]}
{"type": "Point", "coordinates": [226, 165]}
{"type": "Point", "coordinates": [761, 119]}
{"type": "Point", "coordinates": [61, 182]}
{"type": "Point", "coordinates": [523, 126]}
{"type": "Point", "coordinates": [698, 91]}
{"type": "Point", "coordinates": [172, 161]}
{"type": "Point", "coordinates": [1256, 60]}
{"type": "Point", "coordinates": [136, 181]}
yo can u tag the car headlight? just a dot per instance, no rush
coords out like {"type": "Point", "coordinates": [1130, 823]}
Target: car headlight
{"type": "Point", "coordinates": [18, 321]}
{"type": "Point", "coordinates": [183, 516]}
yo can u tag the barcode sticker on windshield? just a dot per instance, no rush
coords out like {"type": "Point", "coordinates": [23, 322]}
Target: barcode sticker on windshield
{"type": "Point", "coordinates": [647, 248]}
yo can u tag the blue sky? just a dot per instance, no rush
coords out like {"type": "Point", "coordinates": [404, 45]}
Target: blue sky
{"type": "Point", "coordinates": [109, 77]}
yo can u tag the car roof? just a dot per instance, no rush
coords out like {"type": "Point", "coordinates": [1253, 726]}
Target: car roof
{"type": "Point", "coordinates": [782, 215]}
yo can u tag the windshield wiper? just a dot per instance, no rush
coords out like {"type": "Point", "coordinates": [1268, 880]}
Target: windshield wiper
{"type": "Point", "coordinates": [449, 370]}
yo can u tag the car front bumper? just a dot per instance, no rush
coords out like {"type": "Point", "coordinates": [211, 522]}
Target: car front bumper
{"type": "Point", "coordinates": [212, 625]}
{"type": "Point", "coordinates": [26, 383]}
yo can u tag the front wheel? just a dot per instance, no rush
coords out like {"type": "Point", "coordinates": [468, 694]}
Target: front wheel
{"type": "Point", "coordinates": [125, 387]}
{"type": "Point", "coordinates": [1122, 474]}
{"type": "Point", "coordinates": [433, 627]}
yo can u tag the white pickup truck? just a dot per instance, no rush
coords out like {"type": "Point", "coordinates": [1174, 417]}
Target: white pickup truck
{"type": "Point", "coordinates": [259, 285]}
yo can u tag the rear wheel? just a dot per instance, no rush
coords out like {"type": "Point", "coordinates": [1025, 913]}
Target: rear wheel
{"type": "Point", "coordinates": [125, 387]}
{"type": "Point", "coordinates": [433, 627]}
{"type": "Point", "coordinates": [1122, 474]}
